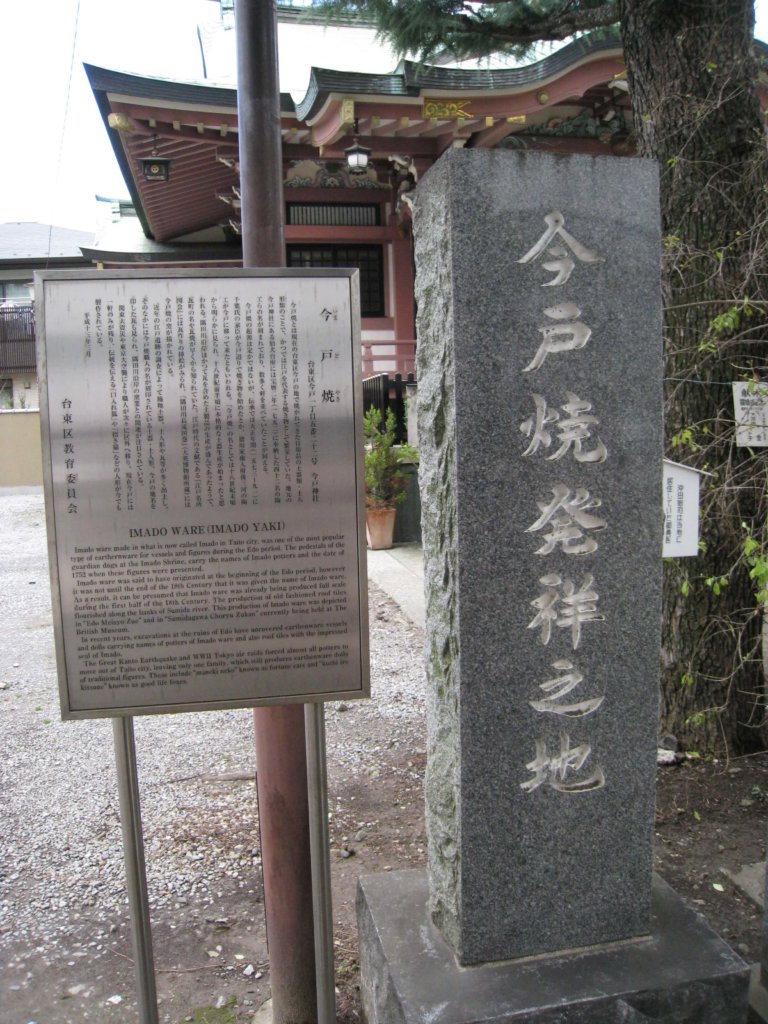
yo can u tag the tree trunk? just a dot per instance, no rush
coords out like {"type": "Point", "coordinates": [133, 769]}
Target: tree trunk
{"type": "Point", "coordinates": [693, 82]}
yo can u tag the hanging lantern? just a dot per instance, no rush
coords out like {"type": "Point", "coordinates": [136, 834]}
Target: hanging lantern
{"type": "Point", "coordinates": [154, 167]}
{"type": "Point", "coordinates": [357, 155]}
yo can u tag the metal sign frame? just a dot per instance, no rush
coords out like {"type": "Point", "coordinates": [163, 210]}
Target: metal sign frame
{"type": "Point", "coordinates": [112, 347]}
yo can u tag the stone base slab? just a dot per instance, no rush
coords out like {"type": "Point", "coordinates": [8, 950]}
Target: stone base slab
{"type": "Point", "coordinates": [683, 973]}
{"type": "Point", "coordinates": [758, 998]}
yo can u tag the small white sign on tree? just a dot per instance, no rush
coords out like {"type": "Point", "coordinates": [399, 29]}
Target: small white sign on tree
{"type": "Point", "coordinates": [681, 511]}
{"type": "Point", "coordinates": [750, 407]}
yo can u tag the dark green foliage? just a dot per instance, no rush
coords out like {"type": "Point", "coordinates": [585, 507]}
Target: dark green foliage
{"type": "Point", "coordinates": [385, 483]}
{"type": "Point", "coordinates": [428, 28]}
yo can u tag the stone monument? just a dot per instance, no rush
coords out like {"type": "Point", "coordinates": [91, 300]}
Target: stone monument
{"type": "Point", "coordinates": [758, 991]}
{"type": "Point", "coordinates": [539, 368]}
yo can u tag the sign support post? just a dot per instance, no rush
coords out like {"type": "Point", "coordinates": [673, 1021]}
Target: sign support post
{"type": "Point", "coordinates": [279, 731]}
{"type": "Point", "coordinates": [317, 786]}
{"type": "Point", "coordinates": [135, 871]}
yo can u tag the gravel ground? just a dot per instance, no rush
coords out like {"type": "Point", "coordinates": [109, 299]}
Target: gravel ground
{"type": "Point", "coordinates": [62, 896]}
{"type": "Point", "coordinates": [64, 932]}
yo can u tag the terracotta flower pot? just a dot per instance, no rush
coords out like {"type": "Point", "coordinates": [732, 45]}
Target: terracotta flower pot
{"type": "Point", "coordinates": [380, 527]}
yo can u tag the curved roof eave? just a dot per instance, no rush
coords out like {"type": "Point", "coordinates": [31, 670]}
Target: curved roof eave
{"type": "Point", "coordinates": [167, 253]}
{"type": "Point", "coordinates": [410, 77]}
{"type": "Point", "coordinates": [170, 90]}
{"type": "Point", "coordinates": [105, 82]}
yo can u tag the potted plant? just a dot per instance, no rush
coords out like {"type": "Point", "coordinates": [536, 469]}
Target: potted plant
{"type": "Point", "coordinates": [385, 482]}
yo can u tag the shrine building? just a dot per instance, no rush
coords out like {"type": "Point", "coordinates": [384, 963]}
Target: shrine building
{"type": "Point", "coordinates": [177, 147]}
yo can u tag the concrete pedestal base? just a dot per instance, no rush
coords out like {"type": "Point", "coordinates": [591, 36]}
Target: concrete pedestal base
{"type": "Point", "coordinates": [758, 999]}
{"type": "Point", "coordinates": [683, 973]}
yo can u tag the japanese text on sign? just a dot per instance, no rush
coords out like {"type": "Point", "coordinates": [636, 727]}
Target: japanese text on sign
{"type": "Point", "coordinates": [569, 522]}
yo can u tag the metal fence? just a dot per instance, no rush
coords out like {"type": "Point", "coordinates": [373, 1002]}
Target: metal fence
{"type": "Point", "coordinates": [17, 339]}
{"type": "Point", "coordinates": [384, 392]}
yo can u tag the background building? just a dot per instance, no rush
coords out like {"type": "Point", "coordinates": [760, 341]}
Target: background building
{"type": "Point", "coordinates": [177, 147]}
{"type": "Point", "coordinates": [24, 248]}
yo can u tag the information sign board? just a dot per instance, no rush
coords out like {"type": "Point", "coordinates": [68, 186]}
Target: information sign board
{"type": "Point", "coordinates": [204, 487]}
{"type": "Point", "coordinates": [750, 405]}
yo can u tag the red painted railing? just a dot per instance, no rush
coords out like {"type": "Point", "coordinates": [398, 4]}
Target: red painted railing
{"type": "Point", "coordinates": [389, 357]}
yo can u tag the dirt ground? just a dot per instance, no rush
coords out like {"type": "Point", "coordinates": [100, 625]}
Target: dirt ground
{"type": "Point", "coordinates": [711, 819]}
{"type": "Point", "coordinates": [710, 816]}
{"type": "Point", "coordinates": [212, 962]}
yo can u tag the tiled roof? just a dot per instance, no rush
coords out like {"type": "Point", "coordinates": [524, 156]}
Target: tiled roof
{"type": "Point", "coordinates": [410, 78]}
{"type": "Point", "coordinates": [28, 240]}
{"type": "Point", "coordinates": [436, 77]}
{"type": "Point", "coordinates": [169, 90]}
{"type": "Point", "coordinates": [323, 81]}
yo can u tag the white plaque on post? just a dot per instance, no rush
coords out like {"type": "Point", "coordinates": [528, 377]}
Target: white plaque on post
{"type": "Point", "coordinates": [750, 404]}
{"type": "Point", "coordinates": [204, 496]}
{"type": "Point", "coordinates": [681, 511]}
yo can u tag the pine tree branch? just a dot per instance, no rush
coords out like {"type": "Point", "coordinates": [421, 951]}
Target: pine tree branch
{"type": "Point", "coordinates": [464, 28]}
{"type": "Point", "coordinates": [568, 21]}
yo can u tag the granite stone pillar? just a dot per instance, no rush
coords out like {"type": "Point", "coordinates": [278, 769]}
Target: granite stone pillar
{"type": "Point", "coordinates": [540, 428]}
{"type": "Point", "coordinates": [540, 405]}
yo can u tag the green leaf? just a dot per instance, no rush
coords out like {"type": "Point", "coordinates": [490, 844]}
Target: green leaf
{"type": "Point", "coordinates": [750, 546]}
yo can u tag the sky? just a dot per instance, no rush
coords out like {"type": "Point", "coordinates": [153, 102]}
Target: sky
{"type": "Point", "coordinates": [57, 156]}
